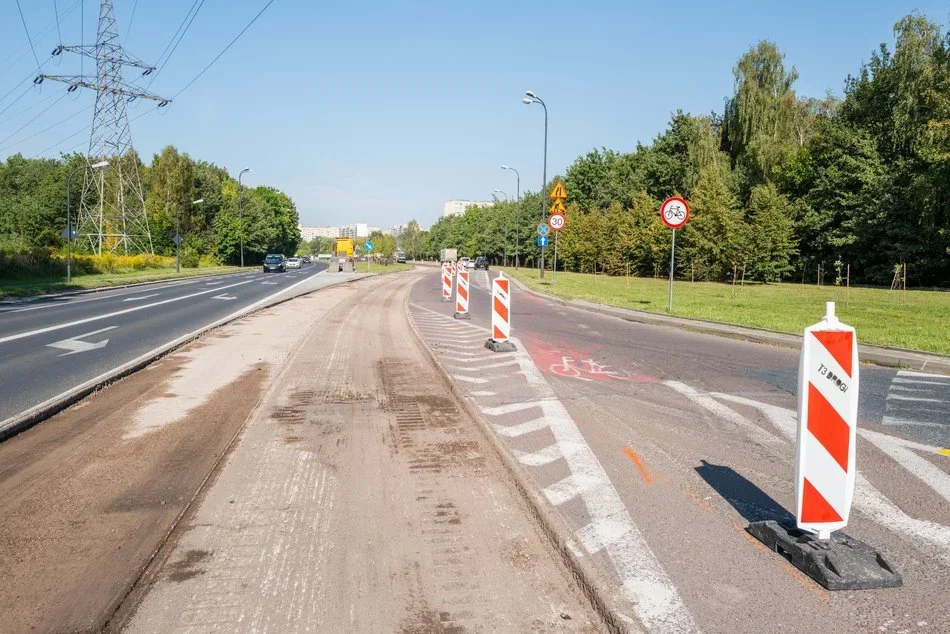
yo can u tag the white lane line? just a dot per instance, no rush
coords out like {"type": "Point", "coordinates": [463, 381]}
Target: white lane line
{"type": "Point", "coordinates": [900, 450]}
{"type": "Point", "coordinates": [491, 366]}
{"type": "Point", "coordinates": [916, 399]}
{"type": "Point", "coordinates": [116, 313]}
{"type": "Point", "coordinates": [538, 458]}
{"type": "Point", "coordinates": [140, 297]}
{"type": "Point", "coordinates": [514, 431]}
{"type": "Point", "coordinates": [570, 487]}
{"type": "Point", "coordinates": [645, 583]}
{"type": "Point", "coordinates": [867, 499]}
{"type": "Point", "coordinates": [889, 421]}
{"type": "Point", "coordinates": [469, 379]}
{"type": "Point", "coordinates": [923, 375]}
{"type": "Point", "coordinates": [481, 393]}
{"type": "Point", "coordinates": [441, 319]}
{"type": "Point", "coordinates": [510, 408]}
{"type": "Point", "coordinates": [755, 433]}
{"type": "Point", "coordinates": [903, 381]}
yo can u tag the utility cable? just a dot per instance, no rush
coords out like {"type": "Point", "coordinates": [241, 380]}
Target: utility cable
{"type": "Point", "coordinates": [131, 19]}
{"type": "Point", "coordinates": [225, 50]}
{"type": "Point", "coordinates": [28, 38]}
{"type": "Point", "coordinates": [46, 129]}
{"type": "Point", "coordinates": [47, 109]}
{"type": "Point", "coordinates": [13, 61]}
{"type": "Point", "coordinates": [59, 33]}
{"type": "Point", "coordinates": [151, 79]}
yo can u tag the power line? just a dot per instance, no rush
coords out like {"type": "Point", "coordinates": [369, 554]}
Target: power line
{"type": "Point", "coordinates": [22, 94]}
{"type": "Point", "coordinates": [151, 79]}
{"type": "Point", "coordinates": [131, 19]}
{"type": "Point", "coordinates": [46, 129]}
{"type": "Point", "coordinates": [45, 110]}
{"type": "Point", "coordinates": [225, 50]}
{"type": "Point", "coordinates": [14, 61]}
{"type": "Point", "coordinates": [28, 38]}
{"type": "Point", "coordinates": [59, 33]}
{"type": "Point", "coordinates": [177, 31]}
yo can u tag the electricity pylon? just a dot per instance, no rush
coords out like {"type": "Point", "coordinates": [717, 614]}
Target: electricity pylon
{"type": "Point", "coordinates": [115, 220]}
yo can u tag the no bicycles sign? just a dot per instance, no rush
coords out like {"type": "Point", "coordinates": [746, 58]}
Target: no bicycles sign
{"type": "Point", "coordinates": [674, 212]}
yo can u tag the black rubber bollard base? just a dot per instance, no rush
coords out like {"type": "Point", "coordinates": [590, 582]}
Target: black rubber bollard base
{"type": "Point", "coordinates": [838, 563]}
{"type": "Point", "coordinates": [500, 346]}
{"type": "Point", "coordinates": [462, 316]}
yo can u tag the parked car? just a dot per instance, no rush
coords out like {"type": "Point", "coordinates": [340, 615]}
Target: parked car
{"type": "Point", "coordinates": [275, 263]}
{"type": "Point", "coordinates": [466, 262]}
{"type": "Point", "coordinates": [481, 262]}
{"type": "Point", "coordinates": [293, 263]}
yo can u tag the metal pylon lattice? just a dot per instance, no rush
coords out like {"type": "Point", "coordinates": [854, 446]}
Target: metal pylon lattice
{"type": "Point", "coordinates": [113, 219]}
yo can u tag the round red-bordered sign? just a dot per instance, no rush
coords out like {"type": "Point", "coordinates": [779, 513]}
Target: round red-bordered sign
{"type": "Point", "coordinates": [674, 212]}
{"type": "Point", "coordinates": [557, 221]}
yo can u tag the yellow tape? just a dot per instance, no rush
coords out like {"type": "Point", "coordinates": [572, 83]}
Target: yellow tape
{"type": "Point", "coordinates": [945, 452]}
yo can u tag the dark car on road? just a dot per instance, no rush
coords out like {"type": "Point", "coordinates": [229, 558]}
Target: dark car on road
{"type": "Point", "coordinates": [275, 263]}
{"type": "Point", "coordinates": [481, 262]}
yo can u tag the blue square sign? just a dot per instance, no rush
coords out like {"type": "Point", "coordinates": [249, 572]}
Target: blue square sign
{"type": "Point", "coordinates": [543, 241]}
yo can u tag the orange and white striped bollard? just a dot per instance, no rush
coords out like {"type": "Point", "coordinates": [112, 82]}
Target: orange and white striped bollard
{"type": "Point", "coordinates": [446, 282]}
{"type": "Point", "coordinates": [461, 295]}
{"type": "Point", "coordinates": [501, 316]}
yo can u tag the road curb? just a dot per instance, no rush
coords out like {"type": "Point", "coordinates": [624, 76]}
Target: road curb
{"type": "Point", "coordinates": [102, 289]}
{"type": "Point", "coordinates": [878, 355]}
{"type": "Point", "coordinates": [38, 413]}
{"type": "Point", "coordinates": [584, 572]}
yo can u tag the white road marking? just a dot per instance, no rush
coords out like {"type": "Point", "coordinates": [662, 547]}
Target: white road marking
{"type": "Point", "coordinates": [900, 450]}
{"type": "Point", "coordinates": [644, 581]}
{"type": "Point", "coordinates": [755, 433]}
{"type": "Point", "coordinates": [898, 397]}
{"type": "Point", "coordinates": [542, 457]}
{"type": "Point", "coordinates": [74, 345]}
{"type": "Point", "coordinates": [269, 283]}
{"type": "Point", "coordinates": [570, 487]}
{"type": "Point", "coordinates": [140, 297]}
{"type": "Point", "coordinates": [491, 366]}
{"type": "Point", "coordinates": [924, 375]}
{"type": "Point", "coordinates": [514, 431]}
{"type": "Point", "coordinates": [482, 393]}
{"type": "Point", "coordinates": [469, 379]}
{"type": "Point", "coordinates": [867, 499]}
{"type": "Point", "coordinates": [510, 408]}
{"type": "Point", "coordinates": [900, 380]}
{"type": "Point", "coordinates": [116, 313]}
{"type": "Point", "coordinates": [225, 296]}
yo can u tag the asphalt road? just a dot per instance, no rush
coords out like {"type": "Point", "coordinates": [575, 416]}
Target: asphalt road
{"type": "Point", "coordinates": [658, 446]}
{"type": "Point", "coordinates": [49, 345]}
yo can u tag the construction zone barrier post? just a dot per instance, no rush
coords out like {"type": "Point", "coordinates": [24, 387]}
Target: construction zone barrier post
{"type": "Point", "coordinates": [828, 379]}
{"type": "Point", "coordinates": [461, 295]}
{"type": "Point", "coordinates": [446, 282]}
{"type": "Point", "coordinates": [500, 316]}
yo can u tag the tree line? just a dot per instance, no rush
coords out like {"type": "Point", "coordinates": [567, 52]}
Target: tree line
{"type": "Point", "coordinates": [780, 185]}
{"type": "Point", "coordinates": [33, 209]}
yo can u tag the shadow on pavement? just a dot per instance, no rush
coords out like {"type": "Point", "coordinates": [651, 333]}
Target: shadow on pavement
{"type": "Point", "coordinates": [751, 501]}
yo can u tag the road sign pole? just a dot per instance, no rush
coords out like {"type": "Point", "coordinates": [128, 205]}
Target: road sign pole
{"type": "Point", "coordinates": [554, 270]}
{"type": "Point", "coordinates": [672, 265]}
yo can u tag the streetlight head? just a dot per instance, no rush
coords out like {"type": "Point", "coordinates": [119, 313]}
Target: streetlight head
{"type": "Point", "coordinates": [531, 94]}
{"type": "Point", "coordinates": [527, 101]}
{"type": "Point", "coordinates": [197, 202]}
{"type": "Point", "coordinates": [505, 167]}
{"type": "Point", "coordinates": [99, 165]}
{"type": "Point", "coordinates": [497, 191]}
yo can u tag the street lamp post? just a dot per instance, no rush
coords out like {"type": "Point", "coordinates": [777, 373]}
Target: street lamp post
{"type": "Point", "coordinates": [241, 213]}
{"type": "Point", "coordinates": [178, 234]}
{"type": "Point", "coordinates": [529, 99]}
{"type": "Point", "coordinates": [517, 209]}
{"type": "Point", "coordinates": [69, 226]}
{"type": "Point", "coordinates": [498, 191]}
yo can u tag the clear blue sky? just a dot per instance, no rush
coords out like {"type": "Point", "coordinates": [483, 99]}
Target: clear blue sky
{"type": "Point", "coordinates": [380, 111]}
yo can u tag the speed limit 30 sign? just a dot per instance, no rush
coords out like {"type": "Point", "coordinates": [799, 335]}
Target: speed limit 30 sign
{"type": "Point", "coordinates": [556, 221]}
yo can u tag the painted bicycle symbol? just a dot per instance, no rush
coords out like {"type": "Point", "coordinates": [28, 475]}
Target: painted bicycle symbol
{"type": "Point", "coordinates": [588, 370]}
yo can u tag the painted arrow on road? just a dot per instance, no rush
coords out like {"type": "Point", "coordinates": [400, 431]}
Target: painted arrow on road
{"type": "Point", "coordinates": [138, 297]}
{"type": "Point", "coordinates": [224, 296]}
{"type": "Point", "coordinates": [74, 344]}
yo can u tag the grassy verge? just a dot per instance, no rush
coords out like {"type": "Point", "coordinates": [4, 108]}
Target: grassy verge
{"type": "Point", "coordinates": [35, 286]}
{"type": "Point", "coordinates": [889, 318]}
{"type": "Point", "coordinates": [367, 267]}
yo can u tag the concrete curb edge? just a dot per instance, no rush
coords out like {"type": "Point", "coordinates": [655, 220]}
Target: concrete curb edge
{"type": "Point", "coordinates": [40, 412]}
{"type": "Point", "coordinates": [584, 572]}
{"type": "Point", "coordinates": [878, 355]}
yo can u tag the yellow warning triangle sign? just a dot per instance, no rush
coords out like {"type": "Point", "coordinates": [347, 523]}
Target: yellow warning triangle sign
{"type": "Point", "coordinates": [558, 193]}
{"type": "Point", "coordinates": [557, 207]}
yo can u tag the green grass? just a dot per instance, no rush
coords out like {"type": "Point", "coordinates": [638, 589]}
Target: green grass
{"type": "Point", "coordinates": [880, 316]}
{"type": "Point", "coordinates": [38, 285]}
{"type": "Point", "coordinates": [367, 267]}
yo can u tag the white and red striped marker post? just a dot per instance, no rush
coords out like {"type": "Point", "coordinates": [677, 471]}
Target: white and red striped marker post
{"type": "Point", "coordinates": [446, 282]}
{"type": "Point", "coordinates": [500, 316]}
{"type": "Point", "coordinates": [461, 295]}
{"type": "Point", "coordinates": [827, 422]}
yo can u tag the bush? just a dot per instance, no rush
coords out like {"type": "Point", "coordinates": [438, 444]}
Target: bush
{"type": "Point", "coordinates": [190, 258]}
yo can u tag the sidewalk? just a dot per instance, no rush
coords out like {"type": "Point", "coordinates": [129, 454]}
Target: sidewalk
{"type": "Point", "coordinates": [361, 498]}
